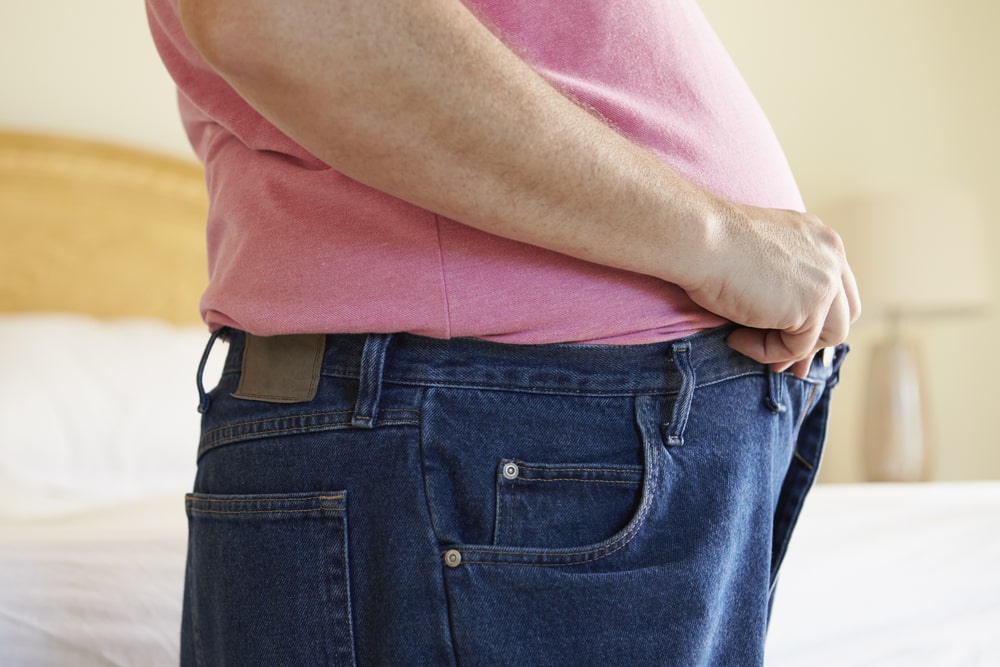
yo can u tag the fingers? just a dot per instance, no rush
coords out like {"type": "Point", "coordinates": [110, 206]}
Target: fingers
{"type": "Point", "coordinates": [783, 350]}
{"type": "Point", "coordinates": [769, 346]}
{"type": "Point", "coordinates": [837, 323]}
{"type": "Point", "coordinates": [763, 346]}
{"type": "Point", "coordinates": [853, 294]}
{"type": "Point", "coordinates": [800, 368]}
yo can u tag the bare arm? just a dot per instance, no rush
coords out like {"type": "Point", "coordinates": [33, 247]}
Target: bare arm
{"type": "Point", "coordinates": [418, 99]}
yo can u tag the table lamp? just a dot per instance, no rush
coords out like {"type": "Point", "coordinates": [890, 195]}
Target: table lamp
{"type": "Point", "coordinates": [915, 255]}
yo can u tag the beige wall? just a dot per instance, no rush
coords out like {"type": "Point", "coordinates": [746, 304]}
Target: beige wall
{"type": "Point", "coordinates": [88, 69]}
{"type": "Point", "coordinates": [890, 95]}
{"type": "Point", "coordinates": [865, 96]}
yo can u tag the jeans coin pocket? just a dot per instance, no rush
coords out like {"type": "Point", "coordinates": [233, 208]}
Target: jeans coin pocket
{"type": "Point", "coordinates": [552, 506]}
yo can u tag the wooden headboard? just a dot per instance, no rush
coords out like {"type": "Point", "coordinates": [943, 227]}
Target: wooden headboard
{"type": "Point", "coordinates": [94, 228]}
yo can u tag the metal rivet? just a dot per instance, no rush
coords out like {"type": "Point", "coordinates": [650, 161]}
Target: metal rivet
{"type": "Point", "coordinates": [452, 558]}
{"type": "Point", "coordinates": [511, 471]}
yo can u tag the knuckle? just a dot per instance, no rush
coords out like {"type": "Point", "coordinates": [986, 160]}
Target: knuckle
{"type": "Point", "coordinates": [827, 236]}
{"type": "Point", "coordinates": [812, 219]}
{"type": "Point", "coordinates": [835, 240]}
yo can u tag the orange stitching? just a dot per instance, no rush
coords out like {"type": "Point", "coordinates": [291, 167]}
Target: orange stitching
{"type": "Point", "coordinates": [199, 499]}
{"type": "Point", "coordinates": [802, 460]}
{"type": "Point", "coordinates": [625, 543]}
{"type": "Point", "coordinates": [307, 415]}
{"type": "Point", "coordinates": [808, 406]}
{"type": "Point", "coordinates": [626, 471]}
{"type": "Point", "coordinates": [576, 479]}
{"type": "Point", "coordinates": [271, 419]}
{"type": "Point", "coordinates": [212, 442]}
{"type": "Point", "coordinates": [314, 509]}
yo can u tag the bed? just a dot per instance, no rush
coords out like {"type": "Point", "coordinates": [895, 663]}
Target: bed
{"type": "Point", "coordinates": [102, 261]}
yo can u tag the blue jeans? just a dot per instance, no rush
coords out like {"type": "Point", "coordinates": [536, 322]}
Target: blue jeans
{"type": "Point", "coordinates": [470, 503]}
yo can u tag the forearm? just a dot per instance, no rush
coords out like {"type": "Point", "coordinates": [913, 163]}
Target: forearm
{"type": "Point", "coordinates": [418, 99]}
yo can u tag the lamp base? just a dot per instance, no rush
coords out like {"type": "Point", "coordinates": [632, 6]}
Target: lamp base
{"type": "Point", "coordinates": [895, 435]}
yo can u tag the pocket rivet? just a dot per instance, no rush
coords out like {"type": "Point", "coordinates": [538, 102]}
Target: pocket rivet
{"type": "Point", "coordinates": [452, 558]}
{"type": "Point", "coordinates": [511, 471]}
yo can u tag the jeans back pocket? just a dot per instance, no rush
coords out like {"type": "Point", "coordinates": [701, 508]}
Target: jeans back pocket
{"type": "Point", "coordinates": [255, 602]}
{"type": "Point", "coordinates": [553, 506]}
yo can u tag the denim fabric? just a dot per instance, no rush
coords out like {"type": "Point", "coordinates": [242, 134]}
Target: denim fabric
{"type": "Point", "coordinates": [471, 503]}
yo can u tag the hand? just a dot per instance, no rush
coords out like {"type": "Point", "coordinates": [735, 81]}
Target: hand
{"type": "Point", "coordinates": [783, 276]}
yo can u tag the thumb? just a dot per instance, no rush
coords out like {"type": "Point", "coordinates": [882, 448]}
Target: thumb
{"type": "Point", "coordinates": [770, 346]}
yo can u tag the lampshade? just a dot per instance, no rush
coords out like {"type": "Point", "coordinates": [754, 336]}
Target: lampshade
{"type": "Point", "coordinates": [916, 253]}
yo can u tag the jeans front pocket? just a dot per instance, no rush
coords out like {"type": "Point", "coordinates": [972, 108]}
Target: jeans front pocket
{"type": "Point", "coordinates": [551, 505]}
{"type": "Point", "coordinates": [541, 478]}
{"type": "Point", "coordinates": [268, 579]}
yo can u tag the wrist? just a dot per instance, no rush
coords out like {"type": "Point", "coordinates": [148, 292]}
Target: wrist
{"type": "Point", "coordinates": [705, 222]}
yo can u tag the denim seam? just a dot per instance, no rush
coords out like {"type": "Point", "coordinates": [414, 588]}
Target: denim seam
{"type": "Point", "coordinates": [529, 480]}
{"type": "Point", "coordinates": [608, 469]}
{"type": "Point", "coordinates": [728, 378]}
{"type": "Point", "coordinates": [518, 388]}
{"type": "Point", "coordinates": [432, 524]}
{"type": "Point", "coordinates": [209, 444]}
{"type": "Point", "coordinates": [244, 512]}
{"type": "Point", "coordinates": [601, 552]}
{"type": "Point", "coordinates": [431, 517]}
{"type": "Point", "coordinates": [549, 391]}
{"type": "Point", "coordinates": [556, 391]}
{"type": "Point", "coordinates": [801, 459]}
{"type": "Point", "coordinates": [816, 391]}
{"type": "Point", "coordinates": [807, 407]}
{"type": "Point", "coordinates": [243, 425]}
{"type": "Point", "coordinates": [250, 426]}
{"type": "Point", "coordinates": [327, 426]}
{"type": "Point", "coordinates": [307, 415]}
{"type": "Point", "coordinates": [657, 390]}
{"type": "Point", "coordinates": [262, 499]}
{"type": "Point", "coordinates": [192, 502]}
{"type": "Point", "coordinates": [240, 433]}
{"type": "Point", "coordinates": [791, 514]}
{"type": "Point", "coordinates": [348, 610]}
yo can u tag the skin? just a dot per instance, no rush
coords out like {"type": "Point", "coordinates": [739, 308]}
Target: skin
{"type": "Point", "coordinates": [418, 99]}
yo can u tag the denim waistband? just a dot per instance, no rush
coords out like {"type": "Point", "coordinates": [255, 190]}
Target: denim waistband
{"type": "Point", "coordinates": [557, 368]}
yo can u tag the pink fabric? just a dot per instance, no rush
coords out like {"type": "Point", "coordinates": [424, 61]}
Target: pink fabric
{"type": "Point", "coordinates": [295, 246]}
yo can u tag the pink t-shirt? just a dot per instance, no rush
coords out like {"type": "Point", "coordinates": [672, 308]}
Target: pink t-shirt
{"type": "Point", "coordinates": [296, 247]}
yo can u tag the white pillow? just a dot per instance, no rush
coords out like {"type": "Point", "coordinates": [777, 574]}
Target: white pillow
{"type": "Point", "coordinates": [94, 411]}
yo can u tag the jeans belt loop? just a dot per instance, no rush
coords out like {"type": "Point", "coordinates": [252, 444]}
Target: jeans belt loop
{"type": "Point", "coordinates": [204, 398]}
{"type": "Point", "coordinates": [370, 380]}
{"type": "Point", "coordinates": [775, 399]}
{"type": "Point", "coordinates": [674, 430]}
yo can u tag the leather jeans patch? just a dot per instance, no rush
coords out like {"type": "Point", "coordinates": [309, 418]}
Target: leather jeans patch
{"type": "Point", "coordinates": [281, 369]}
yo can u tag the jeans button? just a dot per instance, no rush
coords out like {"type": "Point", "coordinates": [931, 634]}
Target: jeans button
{"type": "Point", "coordinates": [452, 558]}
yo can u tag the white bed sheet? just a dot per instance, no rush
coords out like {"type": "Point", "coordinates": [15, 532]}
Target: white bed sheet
{"type": "Point", "coordinates": [892, 575]}
{"type": "Point", "coordinates": [95, 412]}
{"type": "Point", "coordinates": [94, 589]}
{"type": "Point", "coordinates": [876, 575]}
